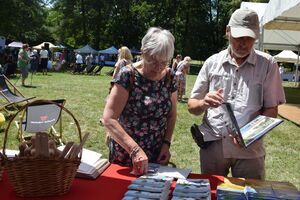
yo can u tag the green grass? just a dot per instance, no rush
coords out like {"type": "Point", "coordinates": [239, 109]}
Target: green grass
{"type": "Point", "coordinates": [86, 97]}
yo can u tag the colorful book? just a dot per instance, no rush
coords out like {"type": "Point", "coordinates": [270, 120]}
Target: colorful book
{"type": "Point", "coordinates": [253, 130]}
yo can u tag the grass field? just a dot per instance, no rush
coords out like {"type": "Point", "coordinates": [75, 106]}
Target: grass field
{"type": "Point", "coordinates": [85, 97]}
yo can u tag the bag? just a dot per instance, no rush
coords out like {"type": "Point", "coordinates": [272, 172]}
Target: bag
{"type": "Point", "coordinates": [198, 137]}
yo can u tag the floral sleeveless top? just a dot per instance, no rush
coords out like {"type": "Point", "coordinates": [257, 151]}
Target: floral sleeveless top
{"type": "Point", "coordinates": [144, 117]}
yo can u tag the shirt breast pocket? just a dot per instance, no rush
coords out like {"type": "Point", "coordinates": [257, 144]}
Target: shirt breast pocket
{"type": "Point", "coordinates": [254, 94]}
{"type": "Point", "coordinates": [216, 82]}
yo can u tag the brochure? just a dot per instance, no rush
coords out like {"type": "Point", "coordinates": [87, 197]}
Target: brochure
{"type": "Point", "coordinates": [167, 171]}
{"type": "Point", "coordinates": [253, 130]}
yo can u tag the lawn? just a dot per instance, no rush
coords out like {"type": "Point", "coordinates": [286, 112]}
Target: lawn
{"type": "Point", "coordinates": [85, 97]}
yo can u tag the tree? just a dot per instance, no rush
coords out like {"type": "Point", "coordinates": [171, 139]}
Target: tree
{"type": "Point", "coordinates": [24, 20]}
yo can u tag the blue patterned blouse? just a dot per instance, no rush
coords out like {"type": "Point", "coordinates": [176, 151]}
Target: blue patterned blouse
{"type": "Point", "coordinates": [145, 115]}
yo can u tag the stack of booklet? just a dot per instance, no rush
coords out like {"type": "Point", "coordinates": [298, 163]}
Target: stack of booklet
{"type": "Point", "coordinates": [231, 189]}
{"type": "Point", "coordinates": [192, 189]}
{"type": "Point", "coordinates": [254, 189]}
{"type": "Point", "coordinates": [149, 187]}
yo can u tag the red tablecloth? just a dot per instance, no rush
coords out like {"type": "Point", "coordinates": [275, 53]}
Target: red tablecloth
{"type": "Point", "coordinates": [111, 185]}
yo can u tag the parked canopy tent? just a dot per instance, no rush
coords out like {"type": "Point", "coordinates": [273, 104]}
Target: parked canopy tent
{"type": "Point", "coordinates": [134, 50]}
{"type": "Point", "coordinates": [86, 49]}
{"type": "Point", "coordinates": [110, 50]}
{"type": "Point", "coordinates": [51, 46]}
{"type": "Point", "coordinates": [280, 26]}
{"type": "Point", "coordinates": [281, 23]}
{"type": "Point", "coordinates": [15, 44]}
{"type": "Point", "coordinates": [286, 56]}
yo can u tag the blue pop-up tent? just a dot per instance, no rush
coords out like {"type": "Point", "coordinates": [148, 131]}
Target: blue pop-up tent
{"type": "Point", "coordinates": [110, 50]}
{"type": "Point", "coordinates": [86, 49]}
{"type": "Point", "coordinates": [110, 55]}
{"type": "Point", "coordinates": [135, 51]}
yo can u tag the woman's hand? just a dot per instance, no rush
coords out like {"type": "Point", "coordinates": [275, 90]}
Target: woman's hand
{"type": "Point", "coordinates": [164, 155]}
{"type": "Point", "coordinates": [139, 162]}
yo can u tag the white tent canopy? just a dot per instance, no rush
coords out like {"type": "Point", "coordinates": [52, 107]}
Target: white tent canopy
{"type": "Point", "coordinates": [280, 25]}
{"type": "Point", "coordinates": [16, 44]}
{"type": "Point", "coordinates": [286, 56]}
{"type": "Point", "coordinates": [51, 46]}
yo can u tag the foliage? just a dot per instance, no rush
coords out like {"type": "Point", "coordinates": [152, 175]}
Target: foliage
{"type": "Point", "coordinates": [24, 20]}
{"type": "Point", "coordinates": [198, 26]}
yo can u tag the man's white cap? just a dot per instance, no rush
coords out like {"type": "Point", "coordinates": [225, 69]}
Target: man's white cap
{"type": "Point", "coordinates": [244, 23]}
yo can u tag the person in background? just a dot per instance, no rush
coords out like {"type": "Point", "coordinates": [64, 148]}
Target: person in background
{"type": "Point", "coordinates": [124, 58]}
{"type": "Point", "coordinates": [23, 62]}
{"type": "Point", "coordinates": [247, 79]}
{"type": "Point", "coordinates": [281, 69]}
{"type": "Point", "coordinates": [44, 55]}
{"type": "Point", "coordinates": [102, 60]}
{"type": "Point", "coordinates": [79, 62]}
{"type": "Point", "coordinates": [140, 111]}
{"type": "Point", "coordinates": [183, 69]}
{"type": "Point", "coordinates": [34, 62]}
{"type": "Point", "coordinates": [88, 61]}
{"type": "Point", "coordinates": [176, 61]}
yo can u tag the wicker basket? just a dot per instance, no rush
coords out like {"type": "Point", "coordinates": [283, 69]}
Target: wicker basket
{"type": "Point", "coordinates": [36, 177]}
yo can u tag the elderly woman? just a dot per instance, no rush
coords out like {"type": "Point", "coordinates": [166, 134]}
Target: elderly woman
{"type": "Point", "coordinates": [124, 58]}
{"type": "Point", "coordinates": [140, 112]}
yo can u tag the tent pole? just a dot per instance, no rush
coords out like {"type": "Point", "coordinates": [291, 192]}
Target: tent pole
{"type": "Point", "coordinates": [296, 74]}
{"type": "Point", "coordinates": [261, 39]}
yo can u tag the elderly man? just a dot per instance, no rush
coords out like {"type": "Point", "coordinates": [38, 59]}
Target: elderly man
{"type": "Point", "coordinates": [250, 81]}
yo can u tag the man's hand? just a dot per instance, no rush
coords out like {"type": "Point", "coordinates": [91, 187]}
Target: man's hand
{"type": "Point", "coordinates": [234, 140]}
{"type": "Point", "coordinates": [214, 99]}
{"type": "Point", "coordinates": [211, 99]}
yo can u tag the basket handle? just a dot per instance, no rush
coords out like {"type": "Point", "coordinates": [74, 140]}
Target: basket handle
{"type": "Point", "coordinates": [37, 102]}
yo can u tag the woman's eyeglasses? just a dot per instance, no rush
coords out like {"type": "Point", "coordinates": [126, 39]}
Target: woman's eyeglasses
{"type": "Point", "coordinates": [155, 62]}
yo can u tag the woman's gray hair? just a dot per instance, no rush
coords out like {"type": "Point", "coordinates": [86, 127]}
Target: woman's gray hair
{"type": "Point", "coordinates": [158, 42]}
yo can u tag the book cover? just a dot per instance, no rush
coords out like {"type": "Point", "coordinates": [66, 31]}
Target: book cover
{"type": "Point", "coordinates": [253, 130]}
